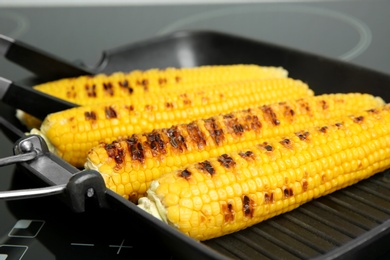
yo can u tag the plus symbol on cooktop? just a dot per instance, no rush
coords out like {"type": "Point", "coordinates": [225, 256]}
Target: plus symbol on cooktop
{"type": "Point", "coordinates": [120, 246]}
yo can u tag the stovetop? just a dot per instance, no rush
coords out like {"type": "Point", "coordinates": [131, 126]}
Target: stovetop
{"type": "Point", "coordinates": [354, 31]}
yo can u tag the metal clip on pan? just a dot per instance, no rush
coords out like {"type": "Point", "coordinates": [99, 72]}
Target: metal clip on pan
{"type": "Point", "coordinates": [32, 153]}
{"type": "Point", "coordinates": [43, 65]}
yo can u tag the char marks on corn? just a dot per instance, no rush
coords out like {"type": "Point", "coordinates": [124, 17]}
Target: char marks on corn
{"type": "Point", "coordinates": [116, 152]}
{"type": "Point", "coordinates": [233, 125]}
{"type": "Point", "coordinates": [176, 139]}
{"type": "Point", "coordinates": [268, 197]}
{"type": "Point", "coordinates": [206, 167]}
{"type": "Point", "coordinates": [143, 83]}
{"type": "Point", "coordinates": [270, 115]}
{"type": "Point", "coordinates": [215, 131]}
{"type": "Point", "coordinates": [108, 88]}
{"type": "Point", "coordinates": [288, 192]}
{"type": "Point", "coordinates": [91, 90]}
{"type": "Point", "coordinates": [110, 112]}
{"type": "Point", "coordinates": [286, 143]}
{"type": "Point", "coordinates": [228, 211]}
{"type": "Point", "coordinates": [196, 135]}
{"type": "Point", "coordinates": [155, 143]}
{"type": "Point", "coordinates": [186, 174]}
{"type": "Point", "coordinates": [126, 86]}
{"type": "Point", "coordinates": [303, 135]}
{"type": "Point", "coordinates": [226, 161]}
{"type": "Point", "coordinates": [247, 155]}
{"type": "Point", "coordinates": [90, 115]}
{"type": "Point", "coordinates": [266, 146]}
{"type": "Point", "coordinates": [136, 149]}
{"type": "Point", "coordinates": [358, 119]}
{"type": "Point", "coordinates": [248, 206]}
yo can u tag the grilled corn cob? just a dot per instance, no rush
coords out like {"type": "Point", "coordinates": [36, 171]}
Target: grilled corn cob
{"type": "Point", "coordinates": [236, 190]}
{"type": "Point", "coordinates": [129, 171]}
{"type": "Point", "coordinates": [87, 90]}
{"type": "Point", "coordinates": [74, 131]}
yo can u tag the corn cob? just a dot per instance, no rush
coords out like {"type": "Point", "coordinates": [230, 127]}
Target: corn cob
{"type": "Point", "coordinates": [87, 90]}
{"type": "Point", "coordinates": [129, 171]}
{"type": "Point", "coordinates": [233, 191]}
{"type": "Point", "coordinates": [75, 131]}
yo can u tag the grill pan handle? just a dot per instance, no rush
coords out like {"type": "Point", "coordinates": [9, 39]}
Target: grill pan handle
{"type": "Point", "coordinates": [74, 186]}
{"type": "Point", "coordinates": [30, 100]}
{"type": "Point", "coordinates": [44, 65]}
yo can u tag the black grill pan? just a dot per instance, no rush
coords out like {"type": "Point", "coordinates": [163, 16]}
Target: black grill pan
{"type": "Point", "coordinates": [353, 223]}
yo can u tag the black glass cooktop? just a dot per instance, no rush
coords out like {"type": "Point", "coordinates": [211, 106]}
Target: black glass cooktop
{"type": "Point", "coordinates": [353, 31]}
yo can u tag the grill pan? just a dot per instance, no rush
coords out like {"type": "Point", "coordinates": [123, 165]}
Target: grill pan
{"type": "Point", "coordinates": [353, 223]}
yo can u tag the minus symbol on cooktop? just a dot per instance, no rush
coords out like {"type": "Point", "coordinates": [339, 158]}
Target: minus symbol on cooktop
{"type": "Point", "coordinates": [81, 244]}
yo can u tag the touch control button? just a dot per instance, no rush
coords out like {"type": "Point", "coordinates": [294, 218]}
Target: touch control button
{"type": "Point", "coordinates": [26, 228]}
{"type": "Point", "coordinates": [12, 252]}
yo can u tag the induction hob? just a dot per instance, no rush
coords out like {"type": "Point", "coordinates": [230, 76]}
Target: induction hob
{"type": "Point", "coordinates": [45, 229]}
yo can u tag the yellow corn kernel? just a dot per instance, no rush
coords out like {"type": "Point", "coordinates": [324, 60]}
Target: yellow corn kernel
{"type": "Point", "coordinates": [367, 131]}
{"type": "Point", "coordinates": [171, 148]}
{"type": "Point", "coordinates": [108, 121]}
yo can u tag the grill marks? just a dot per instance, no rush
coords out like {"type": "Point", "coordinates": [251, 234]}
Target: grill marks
{"type": "Point", "coordinates": [155, 143]}
{"type": "Point", "coordinates": [303, 135]}
{"type": "Point", "coordinates": [265, 147]}
{"type": "Point", "coordinates": [108, 88]}
{"type": "Point", "coordinates": [176, 139]}
{"type": "Point", "coordinates": [125, 85]}
{"type": "Point", "coordinates": [135, 149]}
{"type": "Point", "coordinates": [90, 115]}
{"type": "Point", "coordinates": [110, 112]}
{"type": "Point", "coordinates": [248, 206]}
{"type": "Point", "coordinates": [71, 92]}
{"type": "Point", "coordinates": [252, 122]}
{"type": "Point", "coordinates": [233, 125]}
{"type": "Point", "coordinates": [288, 192]}
{"type": "Point", "coordinates": [247, 155]}
{"type": "Point", "coordinates": [287, 143]}
{"type": "Point", "coordinates": [116, 152]}
{"type": "Point", "coordinates": [196, 135]}
{"type": "Point", "coordinates": [228, 211]}
{"type": "Point", "coordinates": [270, 115]}
{"type": "Point", "coordinates": [214, 129]}
{"type": "Point", "coordinates": [206, 167]}
{"type": "Point", "coordinates": [94, 88]}
{"type": "Point", "coordinates": [143, 83]}
{"type": "Point", "coordinates": [268, 197]}
{"type": "Point", "coordinates": [358, 119]}
{"type": "Point", "coordinates": [226, 161]}
{"type": "Point", "coordinates": [91, 90]}
{"type": "Point", "coordinates": [186, 174]}
{"type": "Point", "coordinates": [288, 112]}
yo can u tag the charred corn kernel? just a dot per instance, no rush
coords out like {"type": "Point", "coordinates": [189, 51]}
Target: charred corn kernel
{"type": "Point", "coordinates": [279, 190]}
{"type": "Point", "coordinates": [87, 90]}
{"type": "Point", "coordinates": [88, 126]}
{"type": "Point", "coordinates": [171, 148]}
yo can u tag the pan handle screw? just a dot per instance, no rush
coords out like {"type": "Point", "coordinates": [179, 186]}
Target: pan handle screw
{"type": "Point", "coordinates": [26, 146]}
{"type": "Point", "coordinates": [90, 192]}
